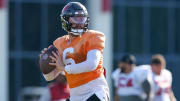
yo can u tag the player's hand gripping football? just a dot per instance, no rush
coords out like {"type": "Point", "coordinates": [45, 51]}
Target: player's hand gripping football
{"type": "Point", "coordinates": [44, 50]}
{"type": "Point", "coordinates": [57, 61]}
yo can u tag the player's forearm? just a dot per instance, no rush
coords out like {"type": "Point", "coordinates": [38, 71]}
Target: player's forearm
{"type": "Point", "coordinates": [52, 75]}
{"type": "Point", "coordinates": [91, 63]}
{"type": "Point", "coordinates": [172, 97]}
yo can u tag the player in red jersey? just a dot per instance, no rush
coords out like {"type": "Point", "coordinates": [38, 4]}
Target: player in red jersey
{"type": "Point", "coordinates": [58, 90]}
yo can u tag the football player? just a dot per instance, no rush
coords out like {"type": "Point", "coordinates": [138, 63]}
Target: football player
{"type": "Point", "coordinates": [162, 79]}
{"type": "Point", "coordinates": [57, 91]}
{"type": "Point", "coordinates": [132, 83]}
{"type": "Point", "coordinates": [80, 56]}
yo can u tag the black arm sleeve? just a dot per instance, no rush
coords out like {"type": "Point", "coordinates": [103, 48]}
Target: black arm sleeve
{"type": "Point", "coordinates": [147, 86]}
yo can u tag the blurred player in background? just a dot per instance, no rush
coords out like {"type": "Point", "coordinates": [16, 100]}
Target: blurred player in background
{"type": "Point", "coordinates": [162, 79]}
{"type": "Point", "coordinates": [80, 55]}
{"type": "Point", "coordinates": [132, 83]}
{"type": "Point", "coordinates": [58, 90]}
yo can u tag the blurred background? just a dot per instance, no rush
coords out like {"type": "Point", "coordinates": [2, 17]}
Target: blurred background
{"type": "Point", "coordinates": [139, 27]}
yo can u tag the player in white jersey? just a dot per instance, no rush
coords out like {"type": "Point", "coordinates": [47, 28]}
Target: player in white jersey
{"type": "Point", "coordinates": [131, 83]}
{"type": "Point", "coordinates": [162, 79]}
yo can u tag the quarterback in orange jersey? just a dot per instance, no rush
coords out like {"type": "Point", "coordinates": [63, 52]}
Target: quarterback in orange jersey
{"type": "Point", "coordinates": [80, 56]}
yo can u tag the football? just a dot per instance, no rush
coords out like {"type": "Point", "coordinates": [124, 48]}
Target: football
{"type": "Point", "coordinates": [45, 60]}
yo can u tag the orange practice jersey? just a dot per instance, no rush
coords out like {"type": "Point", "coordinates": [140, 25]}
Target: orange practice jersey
{"type": "Point", "coordinates": [77, 50]}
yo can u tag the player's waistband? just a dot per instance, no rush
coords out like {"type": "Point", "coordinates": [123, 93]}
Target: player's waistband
{"type": "Point", "coordinates": [90, 86]}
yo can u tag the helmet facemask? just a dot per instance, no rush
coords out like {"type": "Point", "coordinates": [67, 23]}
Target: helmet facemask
{"type": "Point", "coordinates": [74, 18]}
{"type": "Point", "coordinates": [78, 24]}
